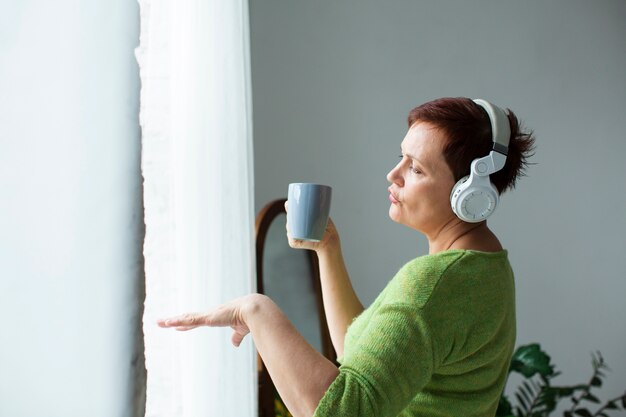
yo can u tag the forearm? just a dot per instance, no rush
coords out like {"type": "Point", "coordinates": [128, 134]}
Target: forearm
{"type": "Point", "coordinates": [300, 373]}
{"type": "Point", "coordinates": [341, 303]}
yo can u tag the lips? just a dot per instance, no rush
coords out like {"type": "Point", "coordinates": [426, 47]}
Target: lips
{"type": "Point", "coordinates": [392, 197]}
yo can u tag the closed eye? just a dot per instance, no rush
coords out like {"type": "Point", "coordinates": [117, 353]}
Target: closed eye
{"type": "Point", "coordinates": [412, 168]}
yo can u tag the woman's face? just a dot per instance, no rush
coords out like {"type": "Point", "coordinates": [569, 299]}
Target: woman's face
{"type": "Point", "coordinates": [421, 182]}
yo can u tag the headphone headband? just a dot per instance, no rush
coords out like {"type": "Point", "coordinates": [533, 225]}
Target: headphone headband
{"type": "Point", "coordinates": [500, 128]}
{"type": "Point", "coordinates": [500, 131]}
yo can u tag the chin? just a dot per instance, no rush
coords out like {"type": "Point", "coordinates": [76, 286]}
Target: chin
{"type": "Point", "coordinates": [393, 214]}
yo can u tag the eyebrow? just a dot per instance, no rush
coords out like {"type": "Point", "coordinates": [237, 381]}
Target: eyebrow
{"type": "Point", "coordinates": [411, 156]}
{"type": "Point", "coordinates": [428, 167]}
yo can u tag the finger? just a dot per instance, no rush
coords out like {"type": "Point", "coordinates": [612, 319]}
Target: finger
{"type": "Point", "coordinates": [239, 333]}
{"type": "Point", "coordinates": [297, 243]}
{"type": "Point", "coordinates": [237, 338]}
{"type": "Point", "coordinates": [185, 320]}
{"type": "Point", "coordinates": [185, 328]}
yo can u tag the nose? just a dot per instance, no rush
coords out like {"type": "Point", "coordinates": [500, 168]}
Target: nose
{"type": "Point", "coordinates": [395, 176]}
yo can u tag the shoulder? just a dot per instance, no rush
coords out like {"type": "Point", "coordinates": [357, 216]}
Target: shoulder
{"type": "Point", "coordinates": [416, 281]}
{"type": "Point", "coordinates": [437, 263]}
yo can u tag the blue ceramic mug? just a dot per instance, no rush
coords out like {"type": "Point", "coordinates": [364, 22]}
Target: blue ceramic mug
{"type": "Point", "coordinates": [309, 206]}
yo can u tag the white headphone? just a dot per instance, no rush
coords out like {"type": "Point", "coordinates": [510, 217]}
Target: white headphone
{"type": "Point", "coordinates": [474, 197]}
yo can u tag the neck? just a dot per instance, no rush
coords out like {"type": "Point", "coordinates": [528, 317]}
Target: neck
{"type": "Point", "coordinates": [457, 234]}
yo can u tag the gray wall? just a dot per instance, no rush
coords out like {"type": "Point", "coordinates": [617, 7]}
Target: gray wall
{"type": "Point", "coordinates": [71, 223]}
{"type": "Point", "coordinates": [334, 80]}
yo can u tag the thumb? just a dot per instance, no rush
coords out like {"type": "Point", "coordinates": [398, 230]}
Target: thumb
{"type": "Point", "coordinates": [237, 338]}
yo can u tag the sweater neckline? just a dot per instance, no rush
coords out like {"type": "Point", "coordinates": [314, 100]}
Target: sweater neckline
{"type": "Point", "coordinates": [502, 252]}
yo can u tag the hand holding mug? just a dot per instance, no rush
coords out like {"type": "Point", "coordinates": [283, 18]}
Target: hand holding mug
{"type": "Point", "coordinates": [308, 224]}
{"type": "Point", "coordinates": [330, 238]}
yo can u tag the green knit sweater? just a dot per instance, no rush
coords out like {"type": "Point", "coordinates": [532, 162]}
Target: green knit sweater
{"type": "Point", "coordinates": [436, 342]}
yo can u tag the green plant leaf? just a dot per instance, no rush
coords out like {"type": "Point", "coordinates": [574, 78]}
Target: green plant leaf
{"type": "Point", "coordinates": [611, 406]}
{"type": "Point", "coordinates": [583, 412]}
{"type": "Point", "coordinates": [522, 403]}
{"type": "Point", "coordinates": [529, 360]}
{"type": "Point", "coordinates": [596, 382]}
{"type": "Point", "coordinates": [504, 407]}
{"type": "Point", "coordinates": [527, 392]}
{"type": "Point", "coordinates": [534, 399]}
{"type": "Point", "coordinates": [567, 414]}
{"type": "Point", "coordinates": [548, 399]}
{"type": "Point", "coordinates": [567, 391]}
{"type": "Point", "coordinates": [591, 397]}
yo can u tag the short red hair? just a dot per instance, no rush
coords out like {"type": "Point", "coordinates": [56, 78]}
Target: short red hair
{"type": "Point", "coordinates": [467, 130]}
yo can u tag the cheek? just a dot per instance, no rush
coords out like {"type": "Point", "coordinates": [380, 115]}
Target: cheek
{"type": "Point", "coordinates": [417, 191]}
{"type": "Point", "coordinates": [443, 198]}
{"type": "Point", "coordinates": [430, 197]}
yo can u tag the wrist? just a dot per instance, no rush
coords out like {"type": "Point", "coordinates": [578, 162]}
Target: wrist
{"type": "Point", "coordinates": [330, 248]}
{"type": "Point", "coordinates": [256, 303]}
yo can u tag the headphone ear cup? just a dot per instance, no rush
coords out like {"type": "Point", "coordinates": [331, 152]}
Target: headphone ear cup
{"type": "Point", "coordinates": [473, 199]}
{"type": "Point", "coordinates": [457, 190]}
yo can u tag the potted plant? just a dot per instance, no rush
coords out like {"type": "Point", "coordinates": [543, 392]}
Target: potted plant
{"type": "Point", "coordinates": [537, 397]}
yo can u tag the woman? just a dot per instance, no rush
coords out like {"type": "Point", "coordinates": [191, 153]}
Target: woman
{"type": "Point", "coordinates": [438, 340]}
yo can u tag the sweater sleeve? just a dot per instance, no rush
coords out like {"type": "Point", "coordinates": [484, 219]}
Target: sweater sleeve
{"type": "Point", "coordinates": [384, 368]}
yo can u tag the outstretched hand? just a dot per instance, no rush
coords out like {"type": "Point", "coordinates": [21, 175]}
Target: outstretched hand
{"type": "Point", "coordinates": [232, 314]}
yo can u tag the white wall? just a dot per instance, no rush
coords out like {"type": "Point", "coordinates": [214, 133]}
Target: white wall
{"type": "Point", "coordinates": [71, 224]}
{"type": "Point", "coordinates": [334, 81]}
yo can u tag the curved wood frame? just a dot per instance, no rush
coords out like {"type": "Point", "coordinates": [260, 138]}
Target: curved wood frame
{"type": "Point", "coordinates": [263, 221]}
